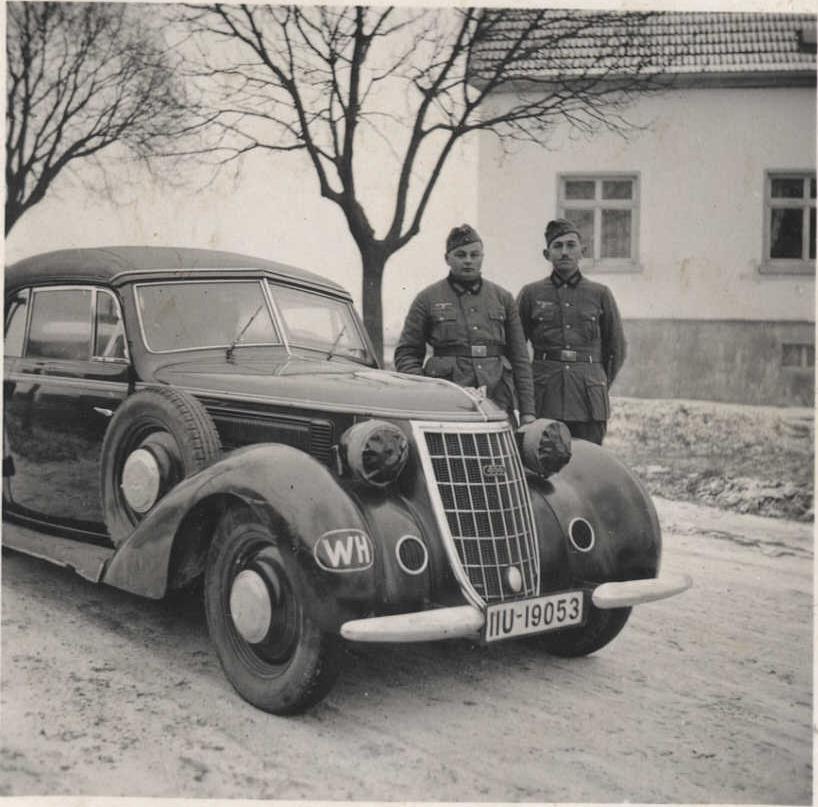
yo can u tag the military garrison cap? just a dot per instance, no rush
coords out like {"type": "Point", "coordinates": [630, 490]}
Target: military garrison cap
{"type": "Point", "coordinates": [557, 227]}
{"type": "Point", "coordinates": [464, 234]}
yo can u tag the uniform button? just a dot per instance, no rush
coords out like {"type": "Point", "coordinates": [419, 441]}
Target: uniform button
{"type": "Point", "coordinates": [568, 347]}
{"type": "Point", "coordinates": [568, 305]}
{"type": "Point", "coordinates": [474, 327]}
{"type": "Point", "coordinates": [567, 366]}
{"type": "Point", "coordinates": [472, 309]}
{"type": "Point", "coordinates": [569, 327]}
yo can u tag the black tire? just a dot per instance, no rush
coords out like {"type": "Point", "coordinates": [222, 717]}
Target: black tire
{"type": "Point", "coordinates": [296, 663]}
{"type": "Point", "coordinates": [175, 428]}
{"type": "Point", "coordinates": [602, 627]}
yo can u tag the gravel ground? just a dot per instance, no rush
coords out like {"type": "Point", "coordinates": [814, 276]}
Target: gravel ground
{"type": "Point", "coordinates": [705, 698]}
{"type": "Point", "coordinates": [748, 459]}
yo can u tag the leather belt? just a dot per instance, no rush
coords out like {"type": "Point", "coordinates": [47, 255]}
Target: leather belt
{"type": "Point", "coordinates": [471, 351]}
{"type": "Point", "coordinates": [565, 355]}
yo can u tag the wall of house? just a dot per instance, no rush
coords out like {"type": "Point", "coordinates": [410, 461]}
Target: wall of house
{"type": "Point", "coordinates": [700, 157]}
{"type": "Point", "coordinates": [726, 360]}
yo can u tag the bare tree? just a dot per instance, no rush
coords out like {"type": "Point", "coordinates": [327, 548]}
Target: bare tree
{"type": "Point", "coordinates": [313, 79]}
{"type": "Point", "coordinates": [81, 78]}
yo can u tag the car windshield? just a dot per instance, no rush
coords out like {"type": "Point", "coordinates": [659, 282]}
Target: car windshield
{"type": "Point", "coordinates": [319, 323]}
{"type": "Point", "coordinates": [192, 314]}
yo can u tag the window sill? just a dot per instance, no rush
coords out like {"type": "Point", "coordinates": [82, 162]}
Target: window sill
{"type": "Point", "coordinates": [787, 267]}
{"type": "Point", "coordinates": [610, 266]}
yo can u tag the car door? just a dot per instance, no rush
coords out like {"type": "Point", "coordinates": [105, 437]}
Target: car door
{"type": "Point", "coordinates": [66, 372]}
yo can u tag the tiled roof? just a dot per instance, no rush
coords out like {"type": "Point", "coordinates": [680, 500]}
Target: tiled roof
{"type": "Point", "coordinates": [572, 42]}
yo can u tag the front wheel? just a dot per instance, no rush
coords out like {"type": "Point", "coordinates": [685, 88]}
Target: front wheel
{"type": "Point", "coordinates": [271, 651]}
{"type": "Point", "coordinates": [601, 628]}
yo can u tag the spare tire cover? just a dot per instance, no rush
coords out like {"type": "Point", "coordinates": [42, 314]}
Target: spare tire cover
{"type": "Point", "coordinates": [156, 438]}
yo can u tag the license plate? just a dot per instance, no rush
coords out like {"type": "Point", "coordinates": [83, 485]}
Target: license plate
{"type": "Point", "coordinates": [537, 615]}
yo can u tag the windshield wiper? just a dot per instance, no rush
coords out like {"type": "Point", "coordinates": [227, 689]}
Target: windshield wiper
{"type": "Point", "coordinates": [229, 354]}
{"type": "Point", "coordinates": [335, 343]}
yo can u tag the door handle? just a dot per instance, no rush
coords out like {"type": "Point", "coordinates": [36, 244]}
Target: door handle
{"type": "Point", "coordinates": [106, 412]}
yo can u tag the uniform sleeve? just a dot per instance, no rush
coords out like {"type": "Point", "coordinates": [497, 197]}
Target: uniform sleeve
{"type": "Point", "coordinates": [518, 356]}
{"type": "Point", "coordinates": [613, 337]}
{"type": "Point", "coordinates": [411, 348]}
{"type": "Point", "coordinates": [524, 308]}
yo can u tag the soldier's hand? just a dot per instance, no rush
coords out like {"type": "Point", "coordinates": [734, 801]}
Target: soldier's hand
{"type": "Point", "coordinates": [526, 419]}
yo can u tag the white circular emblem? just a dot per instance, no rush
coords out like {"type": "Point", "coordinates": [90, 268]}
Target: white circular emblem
{"type": "Point", "coordinates": [141, 478]}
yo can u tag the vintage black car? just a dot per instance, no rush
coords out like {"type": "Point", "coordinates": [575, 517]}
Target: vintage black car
{"type": "Point", "coordinates": [175, 416]}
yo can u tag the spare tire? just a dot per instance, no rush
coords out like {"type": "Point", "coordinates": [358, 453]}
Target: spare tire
{"type": "Point", "coordinates": [156, 438]}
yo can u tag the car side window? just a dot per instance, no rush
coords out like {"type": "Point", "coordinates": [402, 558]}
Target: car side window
{"type": "Point", "coordinates": [60, 324]}
{"type": "Point", "coordinates": [16, 325]}
{"type": "Point", "coordinates": [109, 331]}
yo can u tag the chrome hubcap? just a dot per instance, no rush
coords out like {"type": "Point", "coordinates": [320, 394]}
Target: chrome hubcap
{"type": "Point", "coordinates": [250, 606]}
{"type": "Point", "coordinates": [141, 479]}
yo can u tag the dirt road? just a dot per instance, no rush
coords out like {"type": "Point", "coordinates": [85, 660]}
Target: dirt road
{"type": "Point", "coordinates": [704, 698]}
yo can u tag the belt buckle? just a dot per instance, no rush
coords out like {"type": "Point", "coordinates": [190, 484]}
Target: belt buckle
{"type": "Point", "coordinates": [568, 355]}
{"type": "Point", "coordinates": [478, 351]}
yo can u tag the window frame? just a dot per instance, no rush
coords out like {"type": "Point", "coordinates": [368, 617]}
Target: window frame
{"type": "Point", "coordinates": [126, 359]}
{"type": "Point", "coordinates": [805, 351]}
{"type": "Point", "coordinates": [564, 206]}
{"type": "Point", "coordinates": [34, 291]}
{"type": "Point", "coordinates": [10, 311]}
{"type": "Point", "coordinates": [280, 341]}
{"type": "Point", "coordinates": [95, 291]}
{"type": "Point", "coordinates": [786, 266]}
{"type": "Point", "coordinates": [273, 286]}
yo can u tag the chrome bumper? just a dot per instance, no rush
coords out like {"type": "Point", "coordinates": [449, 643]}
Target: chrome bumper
{"type": "Point", "coordinates": [464, 621]}
{"type": "Point", "coordinates": [634, 592]}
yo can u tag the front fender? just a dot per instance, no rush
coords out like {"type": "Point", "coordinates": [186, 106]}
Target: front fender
{"type": "Point", "coordinates": [295, 494]}
{"type": "Point", "coordinates": [598, 487]}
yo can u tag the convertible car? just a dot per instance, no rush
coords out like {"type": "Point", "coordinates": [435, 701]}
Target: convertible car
{"type": "Point", "coordinates": [178, 417]}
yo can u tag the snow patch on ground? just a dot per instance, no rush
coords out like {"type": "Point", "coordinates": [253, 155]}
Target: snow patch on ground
{"type": "Point", "coordinates": [747, 459]}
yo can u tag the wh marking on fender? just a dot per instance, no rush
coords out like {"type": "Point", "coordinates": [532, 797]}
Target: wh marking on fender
{"type": "Point", "coordinates": [344, 551]}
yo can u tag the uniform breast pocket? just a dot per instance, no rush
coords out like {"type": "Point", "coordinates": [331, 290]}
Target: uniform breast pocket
{"type": "Point", "coordinates": [444, 324]}
{"type": "Point", "coordinates": [590, 323]}
{"type": "Point", "coordinates": [497, 320]}
{"type": "Point", "coordinates": [545, 311]}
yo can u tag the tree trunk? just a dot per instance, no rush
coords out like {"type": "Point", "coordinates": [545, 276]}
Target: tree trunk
{"type": "Point", "coordinates": [374, 262]}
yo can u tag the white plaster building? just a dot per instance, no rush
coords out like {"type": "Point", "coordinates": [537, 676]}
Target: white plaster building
{"type": "Point", "coordinates": [702, 223]}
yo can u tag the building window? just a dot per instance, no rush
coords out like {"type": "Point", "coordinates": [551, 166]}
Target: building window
{"type": "Point", "coordinates": [798, 355]}
{"type": "Point", "coordinates": [789, 222]}
{"type": "Point", "coordinates": [605, 208]}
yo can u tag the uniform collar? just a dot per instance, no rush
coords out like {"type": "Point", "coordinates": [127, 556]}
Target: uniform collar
{"type": "Point", "coordinates": [464, 288]}
{"type": "Point", "coordinates": [572, 281]}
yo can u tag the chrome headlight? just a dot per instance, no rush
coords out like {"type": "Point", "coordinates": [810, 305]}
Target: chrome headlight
{"type": "Point", "coordinates": [375, 452]}
{"type": "Point", "coordinates": [545, 446]}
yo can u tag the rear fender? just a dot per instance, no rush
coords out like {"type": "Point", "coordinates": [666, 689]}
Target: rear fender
{"type": "Point", "coordinates": [291, 492]}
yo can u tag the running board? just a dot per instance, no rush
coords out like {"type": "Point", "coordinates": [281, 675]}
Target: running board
{"type": "Point", "coordinates": [87, 560]}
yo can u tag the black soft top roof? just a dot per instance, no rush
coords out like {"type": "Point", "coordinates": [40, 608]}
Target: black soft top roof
{"type": "Point", "coordinates": [105, 264]}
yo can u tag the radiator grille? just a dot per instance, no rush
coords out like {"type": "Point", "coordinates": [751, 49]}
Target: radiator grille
{"type": "Point", "coordinates": [486, 509]}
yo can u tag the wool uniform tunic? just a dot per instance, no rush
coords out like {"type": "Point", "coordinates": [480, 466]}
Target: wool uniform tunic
{"type": "Point", "coordinates": [579, 345]}
{"type": "Point", "coordinates": [477, 339]}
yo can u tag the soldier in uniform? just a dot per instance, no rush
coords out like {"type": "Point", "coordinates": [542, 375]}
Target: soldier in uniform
{"type": "Point", "coordinates": [576, 332]}
{"type": "Point", "coordinates": [473, 328]}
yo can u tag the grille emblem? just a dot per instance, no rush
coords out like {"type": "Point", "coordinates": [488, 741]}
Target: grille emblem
{"type": "Point", "coordinates": [514, 578]}
{"type": "Point", "coordinates": [495, 471]}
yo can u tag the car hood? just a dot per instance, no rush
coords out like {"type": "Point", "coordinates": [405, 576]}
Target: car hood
{"type": "Point", "coordinates": [330, 386]}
